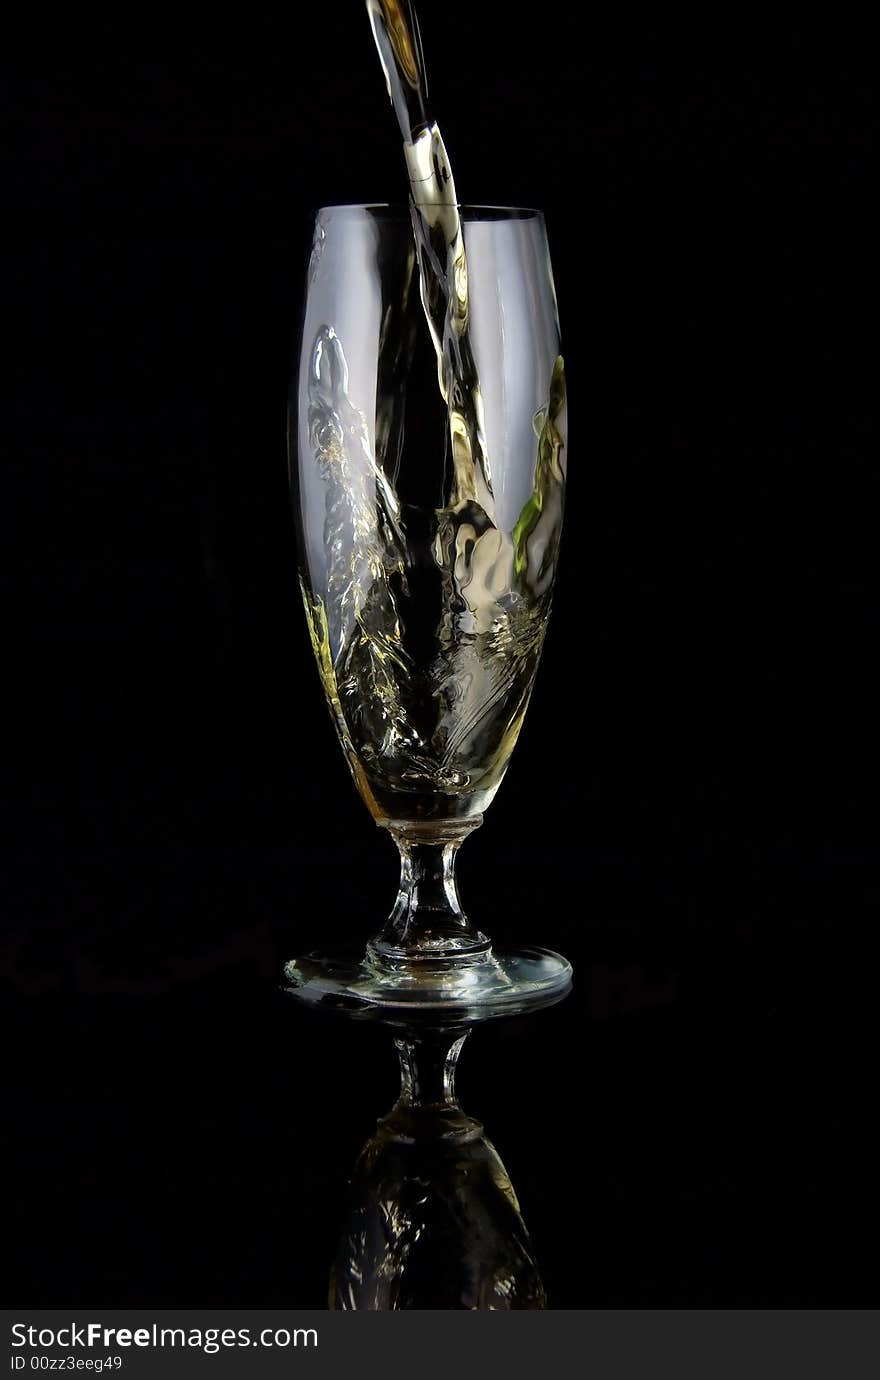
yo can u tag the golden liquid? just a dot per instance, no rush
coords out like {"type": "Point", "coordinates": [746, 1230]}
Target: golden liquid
{"type": "Point", "coordinates": [427, 672]}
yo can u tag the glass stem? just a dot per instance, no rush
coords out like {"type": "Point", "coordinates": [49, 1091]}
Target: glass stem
{"type": "Point", "coordinates": [427, 921]}
{"type": "Point", "coordinates": [427, 1108]}
{"type": "Point", "coordinates": [427, 1068]}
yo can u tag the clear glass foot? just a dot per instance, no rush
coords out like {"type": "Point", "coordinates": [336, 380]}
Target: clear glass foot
{"type": "Point", "coordinates": [428, 956]}
{"type": "Point", "coordinates": [495, 984]}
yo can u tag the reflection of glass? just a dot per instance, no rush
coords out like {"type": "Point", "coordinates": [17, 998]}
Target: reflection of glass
{"type": "Point", "coordinates": [433, 1220]}
{"type": "Point", "coordinates": [429, 532]}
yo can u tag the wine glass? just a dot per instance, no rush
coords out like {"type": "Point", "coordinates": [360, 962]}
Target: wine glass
{"type": "Point", "coordinates": [427, 565]}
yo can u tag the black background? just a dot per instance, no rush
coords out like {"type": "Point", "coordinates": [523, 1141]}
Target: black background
{"type": "Point", "coordinates": [691, 812]}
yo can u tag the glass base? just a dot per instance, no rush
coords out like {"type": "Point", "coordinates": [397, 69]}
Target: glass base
{"type": "Point", "coordinates": [460, 992]}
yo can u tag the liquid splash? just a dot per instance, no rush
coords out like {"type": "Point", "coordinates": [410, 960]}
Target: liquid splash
{"type": "Point", "coordinates": [441, 725]}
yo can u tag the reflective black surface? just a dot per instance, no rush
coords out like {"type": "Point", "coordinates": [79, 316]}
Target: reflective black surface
{"type": "Point", "coordinates": [694, 1124]}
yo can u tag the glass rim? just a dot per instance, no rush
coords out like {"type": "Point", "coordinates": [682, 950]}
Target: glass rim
{"type": "Point", "coordinates": [466, 209]}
